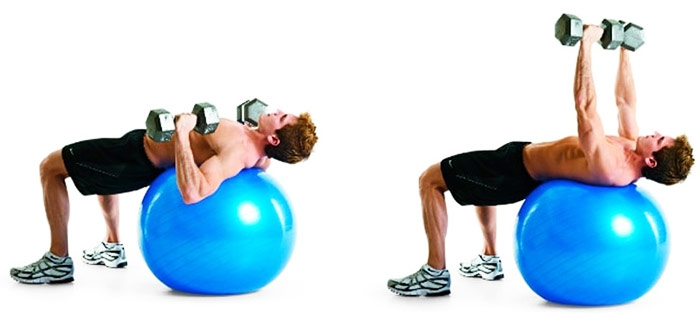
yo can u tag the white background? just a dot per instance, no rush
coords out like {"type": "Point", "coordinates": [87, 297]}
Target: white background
{"type": "Point", "coordinates": [393, 86]}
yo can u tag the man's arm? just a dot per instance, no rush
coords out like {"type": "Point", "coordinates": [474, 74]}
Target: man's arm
{"type": "Point", "coordinates": [626, 98]}
{"type": "Point", "coordinates": [196, 183]}
{"type": "Point", "coordinates": [590, 128]}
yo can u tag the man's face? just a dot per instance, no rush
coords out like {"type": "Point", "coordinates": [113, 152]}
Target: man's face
{"type": "Point", "coordinates": [271, 122]}
{"type": "Point", "coordinates": [649, 144]}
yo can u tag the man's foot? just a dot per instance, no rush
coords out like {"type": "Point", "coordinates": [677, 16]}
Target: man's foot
{"type": "Point", "coordinates": [109, 254]}
{"type": "Point", "coordinates": [49, 269]}
{"type": "Point", "coordinates": [427, 281]}
{"type": "Point", "coordinates": [484, 267]}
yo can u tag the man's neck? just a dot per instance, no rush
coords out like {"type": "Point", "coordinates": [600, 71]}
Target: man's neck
{"type": "Point", "coordinates": [634, 160]}
{"type": "Point", "coordinates": [258, 141]}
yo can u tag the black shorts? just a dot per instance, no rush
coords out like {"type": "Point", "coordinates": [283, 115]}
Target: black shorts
{"type": "Point", "coordinates": [485, 178]}
{"type": "Point", "coordinates": [108, 166]}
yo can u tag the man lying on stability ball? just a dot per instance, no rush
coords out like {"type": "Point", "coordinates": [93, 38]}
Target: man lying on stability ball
{"type": "Point", "coordinates": [507, 175]}
{"type": "Point", "coordinates": [108, 167]}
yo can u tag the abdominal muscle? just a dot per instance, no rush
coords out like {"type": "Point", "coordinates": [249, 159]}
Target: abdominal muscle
{"type": "Point", "coordinates": [559, 159]}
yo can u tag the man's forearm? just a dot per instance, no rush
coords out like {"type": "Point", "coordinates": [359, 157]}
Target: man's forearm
{"type": "Point", "coordinates": [189, 177]}
{"type": "Point", "coordinates": [584, 90]}
{"type": "Point", "coordinates": [625, 95]}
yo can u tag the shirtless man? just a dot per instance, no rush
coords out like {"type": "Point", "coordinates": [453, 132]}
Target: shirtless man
{"type": "Point", "coordinates": [108, 167]}
{"type": "Point", "coordinates": [488, 178]}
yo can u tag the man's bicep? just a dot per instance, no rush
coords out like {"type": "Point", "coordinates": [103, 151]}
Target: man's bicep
{"type": "Point", "coordinates": [213, 171]}
{"type": "Point", "coordinates": [222, 166]}
{"type": "Point", "coordinates": [596, 148]}
{"type": "Point", "coordinates": [590, 132]}
{"type": "Point", "coordinates": [627, 122]}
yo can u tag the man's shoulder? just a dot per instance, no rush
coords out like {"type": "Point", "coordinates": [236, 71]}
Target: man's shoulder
{"type": "Point", "coordinates": [619, 170]}
{"type": "Point", "coordinates": [232, 145]}
{"type": "Point", "coordinates": [619, 140]}
{"type": "Point", "coordinates": [228, 134]}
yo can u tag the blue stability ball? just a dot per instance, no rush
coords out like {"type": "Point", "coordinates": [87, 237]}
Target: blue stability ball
{"type": "Point", "coordinates": [589, 245]}
{"type": "Point", "coordinates": [235, 241]}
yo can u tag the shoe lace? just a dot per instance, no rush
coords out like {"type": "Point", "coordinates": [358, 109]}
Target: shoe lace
{"type": "Point", "coordinates": [478, 260]}
{"type": "Point", "coordinates": [413, 278]}
{"type": "Point", "coordinates": [99, 248]}
{"type": "Point", "coordinates": [35, 265]}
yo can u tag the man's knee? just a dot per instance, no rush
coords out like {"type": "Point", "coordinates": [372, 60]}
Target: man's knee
{"type": "Point", "coordinates": [431, 179]}
{"type": "Point", "coordinates": [53, 166]}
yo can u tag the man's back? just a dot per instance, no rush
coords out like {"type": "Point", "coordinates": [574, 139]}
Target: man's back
{"type": "Point", "coordinates": [566, 159]}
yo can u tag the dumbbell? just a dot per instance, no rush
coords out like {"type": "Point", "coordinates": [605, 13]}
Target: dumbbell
{"type": "Point", "coordinates": [249, 112]}
{"type": "Point", "coordinates": [160, 124]}
{"type": "Point", "coordinates": [569, 30]}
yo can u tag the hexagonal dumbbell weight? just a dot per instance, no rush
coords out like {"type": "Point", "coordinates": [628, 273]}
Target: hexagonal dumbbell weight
{"type": "Point", "coordinates": [568, 29]}
{"type": "Point", "coordinates": [634, 37]}
{"type": "Point", "coordinates": [613, 35]}
{"type": "Point", "coordinates": [249, 112]}
{"type": "Point", "coordinates": [160, 124]}
{"type": "Point", "coordinates": [207, 118]}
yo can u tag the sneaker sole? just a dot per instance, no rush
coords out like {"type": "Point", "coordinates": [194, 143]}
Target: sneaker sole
{"type": "Point", "coordinates": [44, 280]}
{"type": "Point", "coordinates": [478, 275]}
{"type": "Point", "coordinates": [420, 292]}
{"type": "Point", "coordinates": [108, 264]}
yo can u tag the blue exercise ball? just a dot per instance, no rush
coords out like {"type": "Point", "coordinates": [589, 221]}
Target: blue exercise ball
{"type": "Point", "coordinates": [237, 240]}
{"type": "Point", "coordinates": [589, 245]}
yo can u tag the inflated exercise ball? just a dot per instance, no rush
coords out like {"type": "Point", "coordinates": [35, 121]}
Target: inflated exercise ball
{"type": "Point", "coordinates": [590, 245]}
{"type": "Point", "coordinates": [237, 240]}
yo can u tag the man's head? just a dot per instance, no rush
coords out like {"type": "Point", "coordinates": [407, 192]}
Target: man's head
{"type": "Point", "coordinates": [290, 138]}
{"type": "Point", "coordinates": [667, 160]}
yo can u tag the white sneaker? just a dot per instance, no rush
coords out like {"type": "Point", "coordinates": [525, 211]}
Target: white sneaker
{"type": "Point", "coordinates": [427, 281]}
{"type": "Point", "coordinates": [484, 267]}
{"type": "Point", "coordinates": [111, 255]}
{"type": "Point", "coordinates": [49, 269]}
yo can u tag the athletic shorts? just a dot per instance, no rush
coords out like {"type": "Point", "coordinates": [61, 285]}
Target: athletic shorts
{"type": "Point", "coordinates": [108, 166]}
{"type": "Point", "coordinates": [485, 178]}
